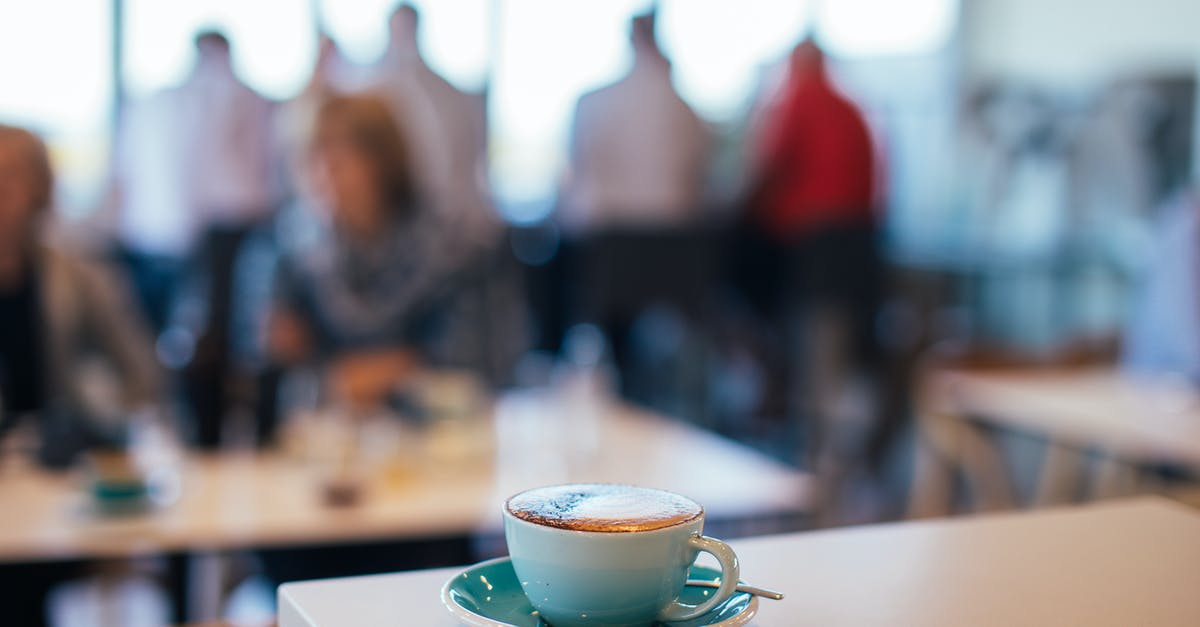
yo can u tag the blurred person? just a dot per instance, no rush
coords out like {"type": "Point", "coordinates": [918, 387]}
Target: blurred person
{"type": "Point", "coordinates": [295, 118]}
{"type": "Point", "coordinates": [630, 202]}
{"type": "Point", "coordinates": [812, 206]}
{"type": "Point", "coordinates": [445, 127]}
{"type": "Point", "coordinates": [639, 154]}
{"type": "Point", "coordinates": [55, 306]}
{"type": "Point", "coordinates": [392, 285]}
{"type": "Point", "coordinates": [815, 159]}
{"type": "Point", "coordinates": [1162, 335]}
{"type": "Point", "coordinates": [195, 176]}
{"type": "Point", "coordinates": [191, 159]}
{"type": "Point", "coordinates": [56, 311]}
{"type": "Point", "coordinates": [376, 296]}
{"type": "Point", "coordinates": [297, 225]}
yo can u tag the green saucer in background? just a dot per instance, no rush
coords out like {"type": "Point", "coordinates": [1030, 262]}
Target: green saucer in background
{"type": "Point", "coordinates": [115, 481]}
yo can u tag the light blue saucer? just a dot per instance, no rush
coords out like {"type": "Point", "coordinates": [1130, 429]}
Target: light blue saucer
{"type": "Point", "coordinates": [488, 595]}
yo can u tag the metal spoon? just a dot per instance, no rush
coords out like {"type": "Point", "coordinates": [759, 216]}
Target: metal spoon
{"type": "Point", "coordinates": [741, 587]}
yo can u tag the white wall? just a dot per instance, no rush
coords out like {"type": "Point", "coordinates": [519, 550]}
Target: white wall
{"type": "Point", "coordinates": [1079, 43]}
{"type": "Point", "coordinates": [1082, 44]}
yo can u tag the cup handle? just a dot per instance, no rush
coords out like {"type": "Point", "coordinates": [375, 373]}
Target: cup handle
{"type": "Point", "coordinates": [730, 572]}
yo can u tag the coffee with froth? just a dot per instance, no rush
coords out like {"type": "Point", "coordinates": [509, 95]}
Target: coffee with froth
{"type": "Point", "coordinates": [603, 555]}
{"type": "Point", "coordinates": [599, 507]}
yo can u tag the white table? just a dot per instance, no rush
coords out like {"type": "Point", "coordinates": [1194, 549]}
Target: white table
{"type": "Point", "coordinates": [450, 482]}
{"type": "Point", "coordinates": [1122, 563]}
{"type": "Point", "coordinates": [1129, 421]}
{"type": "Point", "coordinates": [247, 500]}
{"type": "Point", "coordinates": [1137, 418]}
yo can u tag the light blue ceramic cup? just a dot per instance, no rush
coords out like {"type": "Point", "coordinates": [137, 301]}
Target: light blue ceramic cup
{"type": "Point", "coordinates": [613, 579]}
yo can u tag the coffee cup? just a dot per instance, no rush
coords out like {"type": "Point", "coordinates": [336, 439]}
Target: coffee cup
{"type": "Point", "coordinates": [603, 555]}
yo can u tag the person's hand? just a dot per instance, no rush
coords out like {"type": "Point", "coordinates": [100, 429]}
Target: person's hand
{"type": "Point", "coordinates": [287, 338]}
{"type": "Point", "coordinates": [364, 379]}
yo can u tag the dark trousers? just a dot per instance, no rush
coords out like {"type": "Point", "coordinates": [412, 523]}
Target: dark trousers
{"type": "Point", "coordinates": [616, 275]}
{"type": "Point", "coordinates": [207, 377]}
{"type": "Point", "coordinates": [838, 266]}
{"type": "Point", "coordinates": [155, 281]}
{"type": "Point", "coordinates": [27, 586]}
{"type": "Point", "coordinates": [835, 270]}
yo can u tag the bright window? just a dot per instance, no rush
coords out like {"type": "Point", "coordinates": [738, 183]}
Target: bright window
{"type": "Point", "coordinates": [550, 53]}
{"type": "Point", "coordinates": [274, 42]}
{"type": "Point", "coordinates": [57, 79]}
{"type": "Point", "coordinates": [720, 49]}
{"type": "Point", "coordinates": [541, 55]}
{"type": "Point", "coordinates": [454, 34]}
{"type": "Point", "coordinates": [854, 28]}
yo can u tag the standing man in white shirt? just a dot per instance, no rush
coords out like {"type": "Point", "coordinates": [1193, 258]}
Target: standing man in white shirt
{"type": "Point", "coordinates": [192, 158]}
{"type": "Point", "coordinates": [633, 187]}
{"type": "Point", "coordinates": [639, 153]}
{"type": "Point", "coordinates": [194, 175]}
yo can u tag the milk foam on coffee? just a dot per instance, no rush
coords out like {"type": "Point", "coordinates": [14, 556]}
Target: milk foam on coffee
{"type": "Point", "coordinates": [603, 507]}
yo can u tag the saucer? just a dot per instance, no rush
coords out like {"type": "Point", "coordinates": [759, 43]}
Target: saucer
{"type": "Point", "coordinates": [120, 497]}
{"type": "Point", "coordinates": [488, 595]}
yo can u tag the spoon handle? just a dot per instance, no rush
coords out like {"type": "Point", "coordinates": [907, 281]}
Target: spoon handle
{"type": "Point", "coordinates": [741, 587]}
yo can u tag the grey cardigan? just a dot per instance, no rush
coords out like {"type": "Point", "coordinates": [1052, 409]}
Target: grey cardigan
{"type": "Point", "coordinates": [88, 311]}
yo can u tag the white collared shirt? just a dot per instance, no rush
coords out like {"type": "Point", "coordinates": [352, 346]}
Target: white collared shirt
{"type": "Point", "coordinates": [191, 157]}
{"type": "Point", "coordinates": [638, 154]}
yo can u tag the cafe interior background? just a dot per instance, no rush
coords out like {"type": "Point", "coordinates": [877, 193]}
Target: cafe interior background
{"type": "Point", "coordinates": [1030, 248]}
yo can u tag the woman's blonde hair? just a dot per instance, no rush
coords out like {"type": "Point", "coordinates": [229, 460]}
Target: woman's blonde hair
{"type": "Point", "coordinates": [33, 150]}
{"type": "Point", "coordinates": [367, 124]}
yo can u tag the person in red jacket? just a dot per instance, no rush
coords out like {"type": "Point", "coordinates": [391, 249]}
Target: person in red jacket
{"type": "Point", "coordinates": [812, 214]}
{"type": "Point", "coordinates": [816, 161]}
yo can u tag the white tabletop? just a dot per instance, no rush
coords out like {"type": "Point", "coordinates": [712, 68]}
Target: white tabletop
{"type": "Point", "coordinates": [1139, 418]}
{"type": "Point", "coordinates": [453, 485]}
{"type": "Point", "coordinates": [1120, 563]}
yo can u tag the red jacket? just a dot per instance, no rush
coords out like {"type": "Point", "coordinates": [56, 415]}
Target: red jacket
{"type": "Point", "coordinates": [816, 159]}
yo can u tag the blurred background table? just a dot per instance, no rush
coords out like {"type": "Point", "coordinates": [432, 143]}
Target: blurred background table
{"type": "Point", "coordinates": [1131, 562]}
{"type": "Point", "coordinates": [1117, 427]}
{"type": "Point", "coordinates": [453, 487]}
{"type": "Point", "coordinates": [244, 499]}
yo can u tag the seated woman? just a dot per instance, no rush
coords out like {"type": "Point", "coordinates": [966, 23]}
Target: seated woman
{"type": "Point", "coordinates": [376, 295]}
{"type": "Point", "coordinates": [56, 308]}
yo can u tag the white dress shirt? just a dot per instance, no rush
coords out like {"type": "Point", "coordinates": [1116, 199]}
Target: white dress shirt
{"type": "Point", "coordinates": [191, 157]}
{"type": "Point", "coordinates": [638, 154]}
